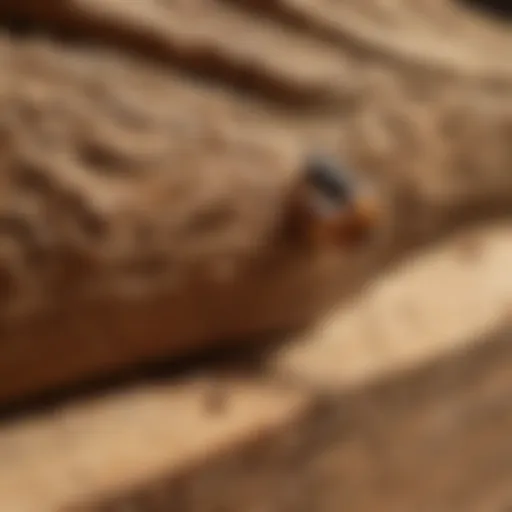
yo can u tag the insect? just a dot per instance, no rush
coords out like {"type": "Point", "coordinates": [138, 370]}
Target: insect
{"type": "Point", "coordinates": [330, 207]}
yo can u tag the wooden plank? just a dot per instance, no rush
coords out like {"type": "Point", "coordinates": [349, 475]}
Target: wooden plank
{"type": "Point", "coordinates": [104, 260]}
{"type": "Point", "coordinates": [401, 402]}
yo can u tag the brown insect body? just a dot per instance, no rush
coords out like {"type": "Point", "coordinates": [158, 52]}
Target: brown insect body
{"type": "Point", "coordinates": [330, 207]}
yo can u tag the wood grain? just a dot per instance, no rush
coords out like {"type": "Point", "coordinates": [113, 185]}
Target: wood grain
{"type": "Point", "coordinates": [399, 402]}
{"type": "Point", "coordinates": [147, 153]}
{"type": "Point", "coordinates": [137, 200]}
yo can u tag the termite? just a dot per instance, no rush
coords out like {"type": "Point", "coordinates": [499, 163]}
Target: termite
{"type": "Point", "coordinates": [330, 206]}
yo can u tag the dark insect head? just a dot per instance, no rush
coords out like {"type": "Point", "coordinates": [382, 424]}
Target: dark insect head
{"type": "Point", "coordinates": [330, 179]}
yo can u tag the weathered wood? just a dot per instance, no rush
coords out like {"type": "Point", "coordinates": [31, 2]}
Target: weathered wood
{"type": "Point", "coordinates": [400, 402]}
{"type": "Point", "coordinates": [147, 153]}
{"type": "Point", "coordinates": [136, 201]}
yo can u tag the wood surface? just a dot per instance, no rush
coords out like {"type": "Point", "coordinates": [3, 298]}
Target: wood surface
{"type": "Point", "coordinates": [142, 198]}
{"type": "Point", "coordinates": [400, 402]}
{"type": "Point", "coordinates": [147, 153]}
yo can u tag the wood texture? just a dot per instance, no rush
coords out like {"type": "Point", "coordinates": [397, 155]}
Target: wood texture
{"type": "Point", "coordinates": [147, 150]}
{"type": "Point", "coordinates": [399, 402]}
{"type": "Point", "coordinates": [137, 200]}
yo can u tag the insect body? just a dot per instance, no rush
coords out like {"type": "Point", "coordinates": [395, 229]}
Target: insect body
{"type": "Point", "coordinates": [330, 206]}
